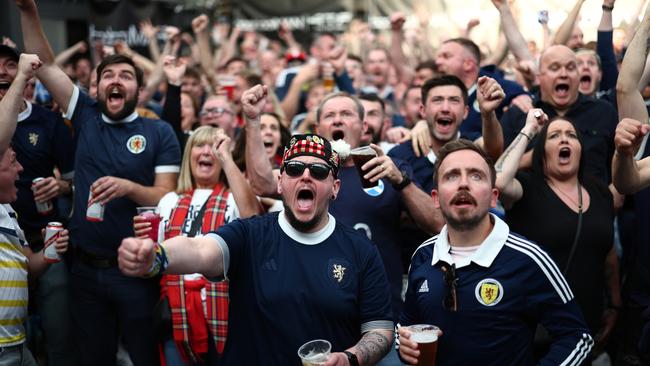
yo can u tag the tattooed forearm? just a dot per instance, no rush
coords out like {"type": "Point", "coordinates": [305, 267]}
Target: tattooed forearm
{"type": "Point", "coordinates": [499, 165]}
{"type": "Point", "coordinates": [373, 346]}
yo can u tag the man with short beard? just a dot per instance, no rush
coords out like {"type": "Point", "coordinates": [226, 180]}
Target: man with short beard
{"type": "Point", "coordinates": [295, 276]}
{"type": "Point", "coordinates": [122, 161]}
{"type": "Point", "coordinates": [485, 287]}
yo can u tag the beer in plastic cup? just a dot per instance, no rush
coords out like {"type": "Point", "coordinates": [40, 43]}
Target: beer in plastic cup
{"type": "Point", "coordinates": [315, 353]}
{"type": "Point", "coordinates": [360, 156]}
{"type": "Point", "coordinates": [149, 214]}
{"type": "Point", "coordinates": [426, 336]}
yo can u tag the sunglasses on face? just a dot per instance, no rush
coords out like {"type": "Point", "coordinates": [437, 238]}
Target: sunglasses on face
{"type": "Point", "coordinates": [217, 111]}
{"type": "Point", "coordinates": [449, 302]}
{"type": "Point", "coordinates": [317, 171]}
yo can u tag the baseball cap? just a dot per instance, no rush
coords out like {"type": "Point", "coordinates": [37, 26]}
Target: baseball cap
{"type": "Point", "coordinates": [9, 51]}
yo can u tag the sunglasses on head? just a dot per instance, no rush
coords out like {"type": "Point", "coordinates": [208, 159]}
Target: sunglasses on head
{"type": "Point", "coordinates": [295, 168]}
{"type": "Point", "coordinates": [450, 302]}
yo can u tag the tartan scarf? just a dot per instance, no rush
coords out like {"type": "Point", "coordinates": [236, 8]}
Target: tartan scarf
{"type": "Point", "coordinates": [188, 318]}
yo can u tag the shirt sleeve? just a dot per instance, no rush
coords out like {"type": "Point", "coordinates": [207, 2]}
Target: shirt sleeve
{"type": "Point", "coordinates": [168, 158]}
{"type": "Point", "coordinates": [376, 311]}
{"type": "Point", "coordinates": [232, 238]}
{"type": "Point", "coordinates": [559, 314]}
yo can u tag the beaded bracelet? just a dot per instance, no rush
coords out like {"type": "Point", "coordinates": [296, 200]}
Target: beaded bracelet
{"type": "Point", "coordinates": [160, 262]}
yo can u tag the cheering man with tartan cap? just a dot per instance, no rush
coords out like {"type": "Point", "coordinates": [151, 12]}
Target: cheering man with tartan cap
{"type": "Point", "coordinates": [295, 276]}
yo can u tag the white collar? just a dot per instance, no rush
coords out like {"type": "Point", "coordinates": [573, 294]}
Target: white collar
{"type": "Point", "coordinates": [472, 89]}
{"type": "Point", "coordinates": [484, 255]}
{"type": "Point", "coordinates": [26, 113]}
{"type": "Point", "coordinates": [307, 238]}
{"type": "Point", "coordinates": [130, 118]}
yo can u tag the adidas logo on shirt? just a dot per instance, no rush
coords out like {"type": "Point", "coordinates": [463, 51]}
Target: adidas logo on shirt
{"type": "Point", "coordinates": [424, 287]}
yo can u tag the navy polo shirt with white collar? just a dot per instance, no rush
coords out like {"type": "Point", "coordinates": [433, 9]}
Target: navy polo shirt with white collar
{"type": "Point", "coordinates": [134, 148]}
{"type": "Point", "coordinates": [504, 290]}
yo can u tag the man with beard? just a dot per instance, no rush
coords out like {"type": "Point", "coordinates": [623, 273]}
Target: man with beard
{"type": "Point", "coordinates": [559, 96]}
{"type": "Point", "coordinates": [295, 276]}
{"type": "Point", "coordinates": [122, 161]}
{"type": "Point", "coordinates": [485, 287]}
{"type": "Point", "coordinates": [373, 121]}
{"type": "Point", "coordinates": [42, 142]}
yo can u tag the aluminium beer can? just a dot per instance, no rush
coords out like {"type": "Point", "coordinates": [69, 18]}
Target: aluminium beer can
{"type": "Point", "coordinates": [43, 208]}
{"type": "Point", "coordinates": [95, 211]}
{"type": "Point", "coordinates": [52, 233]}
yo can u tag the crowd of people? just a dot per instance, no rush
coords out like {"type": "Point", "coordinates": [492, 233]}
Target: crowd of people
{"type": "Point", "coordinates": [344, 191]}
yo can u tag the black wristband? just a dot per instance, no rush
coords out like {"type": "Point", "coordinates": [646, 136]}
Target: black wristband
{"type": "Point", "coordinates": [607, 8]}
{"type": "Point", "coordinates": [406, 180]}
{"type": "Point", "coordinates": [352, 358]}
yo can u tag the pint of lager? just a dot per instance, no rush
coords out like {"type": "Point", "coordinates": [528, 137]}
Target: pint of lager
{"type": "Point", "coordinates": [426, 336]}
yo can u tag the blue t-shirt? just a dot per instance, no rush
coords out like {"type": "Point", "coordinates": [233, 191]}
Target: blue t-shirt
{"type": "Point", "coordinates": [287, 288]}
{"type": "Point", "coordinates": [507, 287]}
{"type": "Point", "coordinates": [376, 213]}
{"type": "Point", "coordinates": [136, 150]}
{"type": "Point", "coordinates": [422, 166]}
{"type": "Point", "coordinates": [41, 141]}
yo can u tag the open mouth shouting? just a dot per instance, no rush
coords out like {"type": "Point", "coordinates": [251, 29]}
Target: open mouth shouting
{"type": "Point", "coordinates": [305, 199]}
{"type": "Point", "coordinates": [4, 86]}
{"type": "Point", "coordinates": [115, 97]}
{"type": "Point", "coordinates": [562, 90]}
{"type": "Point", "coordinates": [585, 83]}
{"type": "Point", "coordinates": [338, 134]}
{"type": "Point", "coordinates": [564, 155]}
{"type": "Point", "coordinates": [445, 124]}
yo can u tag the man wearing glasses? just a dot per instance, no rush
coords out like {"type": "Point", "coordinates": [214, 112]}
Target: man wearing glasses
{"type": "Point", "coordinates": [218, 111]}
{"type": "Point", "coordinates": [485, 287]}
{"type": "Point", "coordinates": [295, 276]}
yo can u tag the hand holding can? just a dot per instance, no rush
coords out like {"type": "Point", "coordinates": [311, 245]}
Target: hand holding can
{"type": "Point", "coordinates": [54, 245]}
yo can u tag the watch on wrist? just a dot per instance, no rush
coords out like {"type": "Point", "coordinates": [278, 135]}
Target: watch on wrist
{"type": "Point", "coordinates": [406, 180]}
{"type": "Point", "coordinates": [352, 358]}
{"type": "Point", "coordinates": [607, 8]}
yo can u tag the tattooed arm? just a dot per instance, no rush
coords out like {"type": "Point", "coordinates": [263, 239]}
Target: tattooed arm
{"type": "Point", "coordinates": [506, 167]}
{"type": "Point", "coordinates": [370, 349]}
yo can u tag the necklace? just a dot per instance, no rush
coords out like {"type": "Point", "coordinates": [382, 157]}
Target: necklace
{"type": "Point", "coordinates": [579, 203]}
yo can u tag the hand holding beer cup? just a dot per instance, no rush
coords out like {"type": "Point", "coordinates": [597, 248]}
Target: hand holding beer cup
{"type": "Point", "coordinates": [135, 256]}
{"type": "Point", "coordinates": [418, 344]}
{"type": "Point", "coordinates": [141, 227]}
{"type": "Point", "coordinates": [381, 166]}
{"type": "Point", "coordinates": [147, 223]}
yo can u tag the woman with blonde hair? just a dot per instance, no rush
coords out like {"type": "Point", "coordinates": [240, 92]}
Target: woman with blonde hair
{"type": "Point", "coordinates": [211, 192]}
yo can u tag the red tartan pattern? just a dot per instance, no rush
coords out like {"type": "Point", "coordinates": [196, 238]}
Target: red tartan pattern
{"type": "Point", "coordinates": [216, 293]}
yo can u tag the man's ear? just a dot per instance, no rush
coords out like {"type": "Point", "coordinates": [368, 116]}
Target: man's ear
{"type": "Point", "coordinates": [436, 198]}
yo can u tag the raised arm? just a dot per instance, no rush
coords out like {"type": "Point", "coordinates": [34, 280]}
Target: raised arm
{"type": "Point", "coordinates": [151, 32]}
{"type": "Point", "coordinates": [65, 55]}
{"type": "Point", "coordinates": [516, 42]}
{"type": "Point", "coordinates": [507, 165]}
{"type": "Point", "coordinates": [244, 197]}
{"type": "Point", "coordinates": [629, 99]}
{"type": "Point", "coordinates": [398, 58]}
{"type": "Point", "coordinates": [489, 96]}
{"type": "Point", "coordinates": [55, 80]}
{"type": "Point", "coordinates": [12, 101]}
{"type": "Point", "coordinates": [200, 29]}
{"type": "Point", "coordinates": [605, 48]}
{"type": "Point", "coordinates": [628, 175]}
{"type": "Point", "coordinates": [258, 166]}
{"type": "Point", "coordinates": [564, 32]}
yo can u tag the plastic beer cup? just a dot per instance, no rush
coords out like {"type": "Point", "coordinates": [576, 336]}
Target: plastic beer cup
{"type": "Point", "coordinates": [426, 336]}
{"type": "Point", "coordinates": [360, 156]}
{"type": "Point", "coordinates": [315, 353]}
{"type": "Point", "coordinates": [150, 215]}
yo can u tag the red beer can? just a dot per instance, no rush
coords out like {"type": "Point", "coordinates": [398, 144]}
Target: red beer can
{"type": "Point", "coordinates": [52, 233]}
{"type": "Point", "coordinates": [43, 208]}
{"type": "Point", "coordinates": [94, 212]}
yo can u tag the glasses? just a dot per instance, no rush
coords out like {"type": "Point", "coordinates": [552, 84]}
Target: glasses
{"type": "Point", "coordinates": [217, 111]}
{"type": "Point", "coordinates": [316, 170]}
{"type": "Point", "coordinates": [450, 302]}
